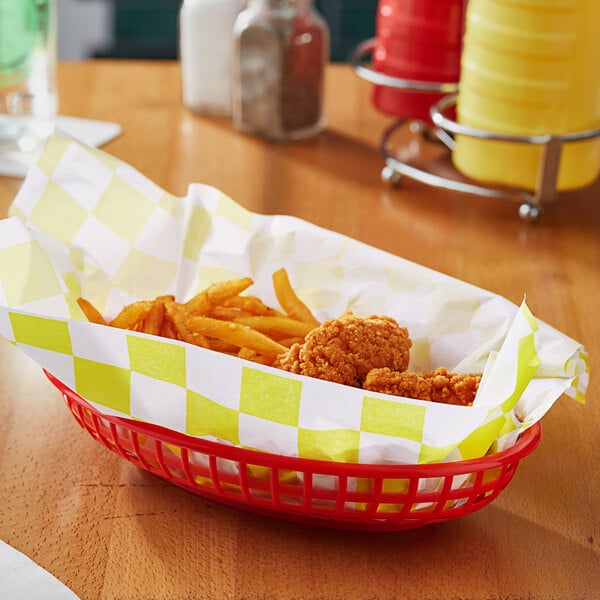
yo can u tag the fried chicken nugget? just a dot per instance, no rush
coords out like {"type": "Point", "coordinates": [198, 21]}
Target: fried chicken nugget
{"type": "Point", "coordinates": [438, 385]}
{"type": "Point", "coordinates": [344, 350]}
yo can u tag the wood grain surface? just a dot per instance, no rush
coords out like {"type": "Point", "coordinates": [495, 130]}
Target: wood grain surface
{"type": "Point", "coordinates": [111, 531]}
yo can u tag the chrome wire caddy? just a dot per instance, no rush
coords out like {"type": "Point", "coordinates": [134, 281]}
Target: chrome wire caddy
{"type": "Point", "coordinates": [531, 203]}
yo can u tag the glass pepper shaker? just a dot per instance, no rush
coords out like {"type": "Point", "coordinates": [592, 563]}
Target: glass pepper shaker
{"type": "Point", "coordinates": [280, 50]}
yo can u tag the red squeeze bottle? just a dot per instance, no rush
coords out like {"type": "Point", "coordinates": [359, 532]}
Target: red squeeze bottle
{"type": "Point", "coordinates": [417, 40]}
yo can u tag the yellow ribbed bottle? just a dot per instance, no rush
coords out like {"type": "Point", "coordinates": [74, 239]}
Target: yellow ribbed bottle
{"type": "Point", "coordinates": [529, 67]}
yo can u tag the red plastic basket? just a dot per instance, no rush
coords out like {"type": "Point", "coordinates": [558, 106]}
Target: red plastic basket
{"type": "Point", "coordinates": [329, 494]}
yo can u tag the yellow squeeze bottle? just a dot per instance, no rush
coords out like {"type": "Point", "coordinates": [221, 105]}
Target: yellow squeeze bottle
{"type": "Point", "coordinates": [529, 67]}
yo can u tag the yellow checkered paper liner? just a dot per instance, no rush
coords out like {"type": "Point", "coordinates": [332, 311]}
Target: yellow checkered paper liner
{"type": "Point", "coordinates": [86, 224]}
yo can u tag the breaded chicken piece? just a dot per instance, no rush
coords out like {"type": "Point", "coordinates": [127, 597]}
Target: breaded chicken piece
{"type": "Point", "coordinates": [437, 386]}
{"type": "Point", "coordinates": [344, 350]}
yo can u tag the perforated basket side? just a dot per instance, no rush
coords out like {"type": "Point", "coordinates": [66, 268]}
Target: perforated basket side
{"type": "Point", "coordinates": [343, 495]}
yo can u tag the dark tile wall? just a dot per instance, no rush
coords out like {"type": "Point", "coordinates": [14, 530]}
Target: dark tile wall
{"type": "Point", "coordinates": [148, 28]}
{"type": "Point", "coordinates": [350, 22]}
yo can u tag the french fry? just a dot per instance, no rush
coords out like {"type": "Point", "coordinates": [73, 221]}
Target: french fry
{"type": "Point", "coordinates": [167, 330]}
{"type": "Point", "coordinates": [237, 334]}
{"type": "Point", "coordinates": [288, 299]}
{"type": "Point", "coordinates": [175, 313]}
{"type": "Point", "coordinates": [216, 294]}
{"type": "Point", "coordinates": [221, 346]}
{"type": "Point", "coordinates": [220, 319]}
{"type": "Point", "coordinates": [277, 326]}
{"type": "Point", "coordinates": [254, 357]}
{"type": "Point", "coordinates": [154, 319]}
{"type": "Point", "coordinates": [247, 353]}
{"type": "Point", "coordinates": [225, 313]}
{"type": "Point", "coordinates": [252, 305]}
{"type": "Point", "coordinates": [289, 342]}
{"type": "Point", "coordinates": [92, 314]}
{"type": "Point", "coordinates": [132, 316]}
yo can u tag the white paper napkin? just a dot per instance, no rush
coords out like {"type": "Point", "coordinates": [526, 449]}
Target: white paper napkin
{"type": "Point", "coordinates": [91, 132]}
{"type": "Point", "coordinates": [22, 579]}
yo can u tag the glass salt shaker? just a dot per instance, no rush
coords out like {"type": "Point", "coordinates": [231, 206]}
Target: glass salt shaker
{"type": "Point", "coordinates": [205, 28]}
{"type": "Point", "coordinates": [280, 50]}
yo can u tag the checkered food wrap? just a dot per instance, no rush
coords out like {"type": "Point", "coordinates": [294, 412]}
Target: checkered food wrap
{"type": "Point", "coordinates": [87, 224]}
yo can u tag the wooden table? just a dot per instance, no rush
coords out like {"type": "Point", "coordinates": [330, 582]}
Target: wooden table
{"type": "Point", "coordinates": [109, 530]}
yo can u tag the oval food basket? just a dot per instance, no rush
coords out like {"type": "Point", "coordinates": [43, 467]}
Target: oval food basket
{"type": "Point", "coordinates": [330, 494]}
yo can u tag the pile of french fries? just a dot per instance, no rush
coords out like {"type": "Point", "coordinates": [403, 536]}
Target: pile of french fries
{"type": "Point", "coordinates": [221, 318]}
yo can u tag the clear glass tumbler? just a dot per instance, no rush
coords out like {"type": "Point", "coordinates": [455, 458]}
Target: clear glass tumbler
{"type": "Point", "coordinates": [28, 56]}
